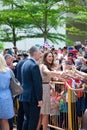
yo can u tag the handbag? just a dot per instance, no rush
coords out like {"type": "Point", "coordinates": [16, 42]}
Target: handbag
{"type": "Point", "coordinates": [15, 86]}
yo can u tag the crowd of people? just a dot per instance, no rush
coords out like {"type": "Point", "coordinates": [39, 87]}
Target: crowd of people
{"type": "Point", "coordinates": [43, 101]}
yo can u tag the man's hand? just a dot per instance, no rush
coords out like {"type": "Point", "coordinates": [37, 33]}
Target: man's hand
{"type": "Point", "coordinates": [40, 103]}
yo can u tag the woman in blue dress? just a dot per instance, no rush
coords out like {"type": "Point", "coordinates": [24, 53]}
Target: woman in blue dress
{"type": "Point", "coordinates": [6, 102]}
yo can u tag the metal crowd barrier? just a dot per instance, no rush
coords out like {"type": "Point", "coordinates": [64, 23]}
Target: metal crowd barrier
{"type": "Point", "coordinates": [72, 121]}
{"type": "Point", "coordinates": [55, 127]}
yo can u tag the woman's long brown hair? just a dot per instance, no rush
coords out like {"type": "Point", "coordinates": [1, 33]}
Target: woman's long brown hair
{"type": "Point", "coordinates": [49, 66]}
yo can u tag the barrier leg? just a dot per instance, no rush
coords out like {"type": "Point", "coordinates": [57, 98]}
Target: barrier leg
{"type": "Point", "coordinates": [69, 110]}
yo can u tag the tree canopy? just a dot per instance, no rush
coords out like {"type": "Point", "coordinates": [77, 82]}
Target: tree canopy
{"type": "Point", "coordinates": [40, 18]}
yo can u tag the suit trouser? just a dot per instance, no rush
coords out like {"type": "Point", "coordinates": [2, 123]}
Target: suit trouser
{"type": "Point", "coordinates": [20, 117]}
{"type": "Point", "coordinates": [31, 116]}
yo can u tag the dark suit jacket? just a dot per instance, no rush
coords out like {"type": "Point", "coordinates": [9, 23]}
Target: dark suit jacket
{"type": "Point", "coordinates": [18, 68]}
{"type": "Point", "coordinates": [31, 82]}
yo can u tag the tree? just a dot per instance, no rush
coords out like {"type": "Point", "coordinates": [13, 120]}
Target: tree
{"type": "Point", "coordinates": [12, 23]}
{"type": "Point", "coordinates": [39, 18]}
{"type": "Point", "coordinates": [46, 16]}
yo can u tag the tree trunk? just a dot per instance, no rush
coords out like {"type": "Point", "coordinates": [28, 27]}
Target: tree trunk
{"type": "Point", "coordinates": [45, 36]}
{"type": "Point", "coordinates": [14, 39]}
{"type": "Point", "coordinates": [14, 35]}
{"type": "Point", "coordinates": [45, 22]}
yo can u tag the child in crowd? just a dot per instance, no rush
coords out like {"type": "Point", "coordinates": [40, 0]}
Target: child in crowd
{"type": "Point", "coordinates": [54, 112]}
{"type": "Point", "coordinates": [63, 109]}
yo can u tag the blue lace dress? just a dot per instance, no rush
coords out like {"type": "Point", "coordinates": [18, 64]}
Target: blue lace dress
{"type": "Point", "coordinates": [6, 101]}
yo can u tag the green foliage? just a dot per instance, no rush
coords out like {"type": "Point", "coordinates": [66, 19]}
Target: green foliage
{"type": "Point", "coordinates": [37, 18]}
{"type": "Point", "coordinates": [75, 31]}
{"type": "Point", "coordinates": [69, 42]}
{"type": "Point", "coordinates": [1, 46]}
{"type": "Point", "coordinates": [40, 15]}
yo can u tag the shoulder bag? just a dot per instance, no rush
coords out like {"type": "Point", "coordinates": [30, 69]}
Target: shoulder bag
{"type": "Point", "coordinates": [15, 86]}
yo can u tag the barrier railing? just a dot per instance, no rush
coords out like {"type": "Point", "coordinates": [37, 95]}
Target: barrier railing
{"type": "Point", "coordinates": [69, 123]}
{"type": "Point", "coordinates": [55, 127]}
{"type": "Point", "coordinates": [71, 115]}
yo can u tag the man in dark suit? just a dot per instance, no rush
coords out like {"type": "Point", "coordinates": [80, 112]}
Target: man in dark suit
{"type": "Point", "coordinates": [20, 116]}
{"type": "Point", "coordinates": [32, 85]}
